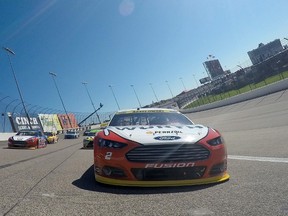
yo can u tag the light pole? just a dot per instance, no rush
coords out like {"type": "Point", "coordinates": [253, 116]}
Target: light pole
{"type": "Point", "coordinates": [169, 88]}
{"type": "Point", "coordinates": [195, 81]}
{"type": "Point", "coordinates": [114, 96]}
{"type": "Point", "coordinates": [183, 83]}
{"type": "Point", "coordinates": [9, 51]}
{"type": "Point", "coordinates": [198, 90]}
{"type": "Point", "coordinates": [154, 92]}
{"type": "Point", "coordinates": [136, 95]}
{"type": "Point", "coordinates": [53, 75]}
{"type": "Point", "coordinates": [85, 85]}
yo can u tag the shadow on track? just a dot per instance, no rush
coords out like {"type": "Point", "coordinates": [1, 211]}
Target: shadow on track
{"type": "Point", "coordinates": [87, 182]}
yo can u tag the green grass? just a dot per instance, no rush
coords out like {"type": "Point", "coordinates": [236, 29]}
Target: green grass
{"type": "Point", "coordinates": [222, 96]}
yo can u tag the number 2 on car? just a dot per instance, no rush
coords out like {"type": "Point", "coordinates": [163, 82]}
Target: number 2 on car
{"type": "Point", "coordinates": [108, 155]}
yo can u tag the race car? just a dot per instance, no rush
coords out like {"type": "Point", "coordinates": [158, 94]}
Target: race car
{"type": "Point", "coordinates": [89, 137]}
{"type": "Point", "coordinates": [153, 147]}
{"type": "Point", "coordinates": [51, 137]}
{"type": "Point", "coordinates": [28, 139]}
{"type": "Point", "coordinates": [71, 134]}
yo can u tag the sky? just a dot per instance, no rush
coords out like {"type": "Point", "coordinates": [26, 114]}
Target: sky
{"type": "Point", "coordinates": [153, 45]}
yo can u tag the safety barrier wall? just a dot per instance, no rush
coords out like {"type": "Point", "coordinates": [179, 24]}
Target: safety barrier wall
{"type": "Point", "coordinates": [269, 89]}
{"type": "Point", "coordinates": [5, 136]}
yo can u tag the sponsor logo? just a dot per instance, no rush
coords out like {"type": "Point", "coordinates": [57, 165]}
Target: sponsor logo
{"type": "Point", "coordinates": [148, 127]}
{"type": "Point", "coordinates": [25, 121]}
{"type": "Point", "coordinates": [169, 165]}
{"type": "Point", "coordinates": [165, 138]}
{"type": "Point", "coordinates": [165, 132]}
{"type": "Point", "coordinates": [159, 127]}
{"type": "Point", "coordinates": [168, 132]}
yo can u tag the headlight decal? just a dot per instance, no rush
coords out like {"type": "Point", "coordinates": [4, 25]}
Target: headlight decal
{"type": "Point", "coordinates": [216, 141]}
{"type": "Point", "coordinates": [103, 143]}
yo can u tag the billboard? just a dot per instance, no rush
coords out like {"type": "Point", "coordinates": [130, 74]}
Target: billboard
{"type": "Point", "coordinates": [204, 80]}
{"type": "Point", "coordinates": [50, 122]}
{"type": "Point", "coordinates": [64, 121]}
{"type": "Point", "coordinates": [22, 123]}
{"type": "Point", "coordinates": [214, 68]}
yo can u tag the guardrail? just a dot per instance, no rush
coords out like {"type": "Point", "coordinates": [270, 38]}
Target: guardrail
{"type": "Point", "coordinates": [5, 136]}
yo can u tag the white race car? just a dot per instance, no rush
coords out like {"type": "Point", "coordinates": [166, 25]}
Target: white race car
{"type": "Point", "coordinates": [158, 147]}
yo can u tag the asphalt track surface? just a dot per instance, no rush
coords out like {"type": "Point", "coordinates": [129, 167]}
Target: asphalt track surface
{"type": "Point", "coordinates": [58, 180]}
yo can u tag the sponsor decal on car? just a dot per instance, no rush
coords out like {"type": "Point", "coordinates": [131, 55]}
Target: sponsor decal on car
{"type": "Point", "coordinates": [158, 127]}
{"type": "Point", "coordinates": [168, 132]}
{"type": "Point", "coordinates": [169, 165]}
{"type": "Point", "coordinates": [165, 138]}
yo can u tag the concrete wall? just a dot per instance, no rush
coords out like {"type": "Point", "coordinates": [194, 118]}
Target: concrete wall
{"type": "Point", "coordinates": [272, 88]}
{"type": "Point", "coordinates": [5, 136]}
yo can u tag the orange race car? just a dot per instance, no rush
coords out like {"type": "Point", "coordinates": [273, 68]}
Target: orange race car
{"type": "Point", "coordinates": [158, 147]}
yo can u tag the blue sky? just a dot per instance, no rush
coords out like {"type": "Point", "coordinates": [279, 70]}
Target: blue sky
{"type": "Point", "coordinates": [126, 42]}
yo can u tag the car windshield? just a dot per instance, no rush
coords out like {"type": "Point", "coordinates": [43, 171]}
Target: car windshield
{"type": "Point", "coordinates": [48, 134]}
{"type": "Point", "coordinates": [165, 118]}
{"type": "Point", "coordinates": [90, 134]}
{"type": "Point", "coordinates": [27, 133]}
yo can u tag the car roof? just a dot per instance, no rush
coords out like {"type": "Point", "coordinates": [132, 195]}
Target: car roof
{"type": "Point", "coordinates": [143, 110]}
{"type": "Point", "coordinates": [28, 130]}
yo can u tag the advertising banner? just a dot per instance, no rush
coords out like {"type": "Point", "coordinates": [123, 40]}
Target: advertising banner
{"type": "Point", "coordinates": [204, 80]}
{"type": "Point", "coordinates": [50, 122]}
{"type": "Point", "coordinates": [63, 118]}
{"type": "Point", "coordinates": [22, 122]}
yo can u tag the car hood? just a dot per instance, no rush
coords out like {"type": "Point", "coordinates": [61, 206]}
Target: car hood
{"type": "Point", "coordinates": [160, 134]}
{"type": "Point", "coordinates": [21, 138]}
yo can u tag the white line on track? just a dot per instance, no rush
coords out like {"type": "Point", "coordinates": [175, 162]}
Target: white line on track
{"type": "Point", "coordinates": [264, 159]}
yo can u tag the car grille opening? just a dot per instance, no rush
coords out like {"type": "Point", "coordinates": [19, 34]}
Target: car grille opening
{"type": "Point", "coordinates": [19, 143]}
{"type": "Point", "coordinates": [168, 173]}
{"type": "Point", "coordinates": [168, 153]}
{"type": "Point", "coordinates": [218, 169]}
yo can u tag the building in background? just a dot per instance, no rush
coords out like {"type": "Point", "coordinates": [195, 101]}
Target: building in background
{"type": "Point", "coordinates": [265, 51]}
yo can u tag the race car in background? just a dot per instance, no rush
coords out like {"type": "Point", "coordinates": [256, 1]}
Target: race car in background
{"type": "Point", "coordinates": [28, 139]}
{"type": "Point", "coordinates": [89, 137]}
{"type": "Point", "coordinates": [71, 134]}
{"type": "Point", "coordinates": [158, 147]}
{"type": "Point", "coordinates": [51, 137]}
